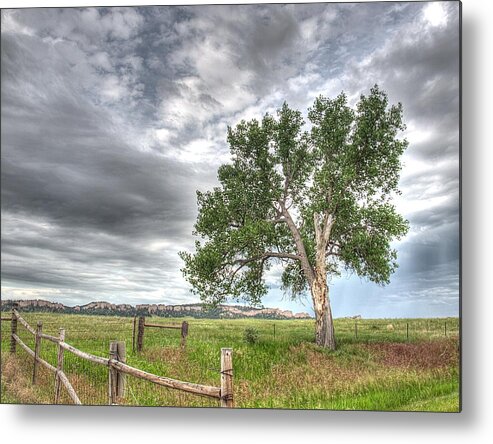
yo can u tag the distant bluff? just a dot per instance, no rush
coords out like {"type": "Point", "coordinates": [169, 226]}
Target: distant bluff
{"type": "Point", "coordinates": [162, 310]}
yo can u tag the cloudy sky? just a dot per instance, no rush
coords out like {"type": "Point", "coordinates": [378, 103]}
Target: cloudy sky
{"type": "Point", "coordinates": [111, 119]}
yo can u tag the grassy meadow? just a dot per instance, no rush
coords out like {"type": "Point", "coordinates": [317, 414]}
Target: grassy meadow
{"type": "Point", "coordinates": [377, 366]}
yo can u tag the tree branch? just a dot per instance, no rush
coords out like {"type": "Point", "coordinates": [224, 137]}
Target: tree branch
{"type": "Point", "coordinates": [267, 255]}
{"type": "Point", "coordinates": [300, 247]}
{"type": "Point", "coordinates": [277, 220]}
{"type": "Point", "coordinates": [287, 179]}
{"type": "Point", "coordinates": [316, 224]}
{"type": "Point", "coordinates": [331, 252]}
{"type": "Point", "coordinates": [328, 224]}
{"type": "Point", "coordinates": [282, 255]}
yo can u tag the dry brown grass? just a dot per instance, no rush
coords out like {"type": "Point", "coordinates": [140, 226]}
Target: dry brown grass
{"type": "Point", "coordinates": [422, 355]}
{"type": "Point", "coordinates": [17, 378]}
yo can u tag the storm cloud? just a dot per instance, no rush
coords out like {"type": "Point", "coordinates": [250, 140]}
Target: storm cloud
{"type": "Point", "coordinates": [112, 118]}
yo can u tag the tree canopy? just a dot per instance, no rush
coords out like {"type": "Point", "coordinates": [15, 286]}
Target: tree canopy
{"type": "Point", "coordinates": [317, 199]}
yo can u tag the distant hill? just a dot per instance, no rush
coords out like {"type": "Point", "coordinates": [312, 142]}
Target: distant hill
{"type": "Point", "coordinates": [162, 310]}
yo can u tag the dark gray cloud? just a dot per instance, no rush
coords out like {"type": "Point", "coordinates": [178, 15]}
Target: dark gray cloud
{"type": "Point", "coordinates": [112, 118]}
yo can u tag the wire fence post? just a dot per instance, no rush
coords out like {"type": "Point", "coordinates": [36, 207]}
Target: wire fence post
{"type": "Point", "coordinates": [112, 375]}
{"type": "Point", "coordinates": [37, 350]}
{"type": "Point", "coordinates": [184, 333]}
{"type": "Point", "coordinates": [13, 329]}
{"type": "Point", "coordinates": [407, 331]}
{"type": "Point", "coordinates": [274, 331]}
{"type": "Point", "coordinates": [58, 383]}
{"type": "Point", "coordinates": [133, 333]}
{"type": "Point", "coordinates": [356, 329]}
{"type": "Point", "coordinates": [227, 378]}
{"type": "Point", "coordinates": [121, 377]}
{"type": "Point", "coordinates": [140, 333]}
{"type": "Point", "coordinates": [445, 328]}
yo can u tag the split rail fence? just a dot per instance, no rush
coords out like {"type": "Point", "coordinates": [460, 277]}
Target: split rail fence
{"type": "Point", "coordinates": [140, 324]}
{"type": "Point", "coordinates": [117, 368]}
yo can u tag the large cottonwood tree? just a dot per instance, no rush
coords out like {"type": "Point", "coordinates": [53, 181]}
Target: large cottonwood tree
{"type": "Point", "coordinates": [318, 201]}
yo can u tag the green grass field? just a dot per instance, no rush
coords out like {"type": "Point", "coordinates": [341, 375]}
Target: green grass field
{"type": "Point", "coordinates": [379, 368]}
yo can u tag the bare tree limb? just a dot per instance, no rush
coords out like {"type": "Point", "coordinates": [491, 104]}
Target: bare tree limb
{"type": "Point", "coordinates": [300, 247]}
{"type": "Point", "coordinates": [267, 255]}
{"type": "Point", "coordinates": [328, 224]}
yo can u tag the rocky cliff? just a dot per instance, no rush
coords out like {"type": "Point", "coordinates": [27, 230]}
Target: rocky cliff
{"type": "Point", "coordinates": [163, 310]}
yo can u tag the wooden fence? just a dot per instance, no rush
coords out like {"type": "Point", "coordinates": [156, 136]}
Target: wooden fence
{"type": "Point", "coordinates": [117, 368]}
{"type": "Point", "coordinates": [140, 326]}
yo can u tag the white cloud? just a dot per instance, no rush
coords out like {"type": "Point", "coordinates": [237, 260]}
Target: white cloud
{"type": "Point", "coordinates": [101, 60]}
{"type": "Point", "coordinates": [11, 25]}
{"type": "Point", "coordinates": [435, 14]}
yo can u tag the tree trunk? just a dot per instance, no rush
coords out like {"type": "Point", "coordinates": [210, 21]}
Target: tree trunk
{"type": "Point", "coordinates": [317, 276]}
{"type": "Point", "coordinates": [324, 325]}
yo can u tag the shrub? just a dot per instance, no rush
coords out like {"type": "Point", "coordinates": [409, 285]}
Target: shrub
{"type": "Point", "coordinates": [251, 335]}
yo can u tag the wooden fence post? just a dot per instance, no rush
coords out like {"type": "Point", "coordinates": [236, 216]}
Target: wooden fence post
{"type": "Point", "coordinates": [140, 334]}
{"type": "Point", "coordinates": [407, 331]}
{"type": "Point", "coordinates": [58, 383]}
{"type": "Point", "coordinates": [227, 377]}
{"type": "Point", "coordinates": [120, 379]}
{"type": "Point", "coordinates": [13, 329]}
{"type": "Point", "coordinates": [356, 329]}
{"type": "Point", "coordinates": [133, 334]}
{"type": "Point", "coordinates": [445, 328]}
{"type": "Point", "coordinates": [113, 375]}
{"type": "Point", "coordinates": [274, 331]}
{"type": "Point", "coordinates": [184, 333]}
{"type": "Point", "coordinates": [37, 350]}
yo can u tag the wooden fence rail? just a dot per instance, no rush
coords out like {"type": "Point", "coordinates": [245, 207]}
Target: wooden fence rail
{"type": "Point", "coordinates": [117, 367]}
{"type": "Point", "coordinates": [190, 387]}
{"type": "Point", "coordinates": [171, 327]}
{"type": "Point", "coordinates": [53, 339]}
{"type": "Point", "coordinates": [26, 325]}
